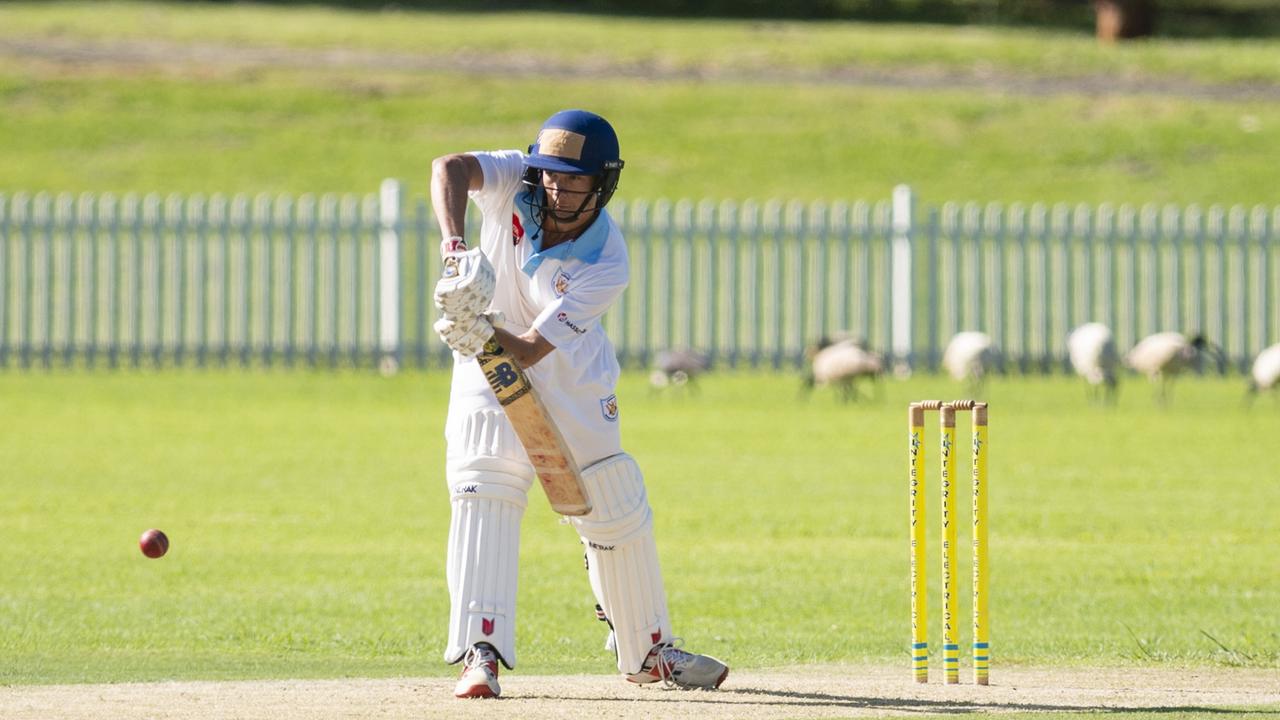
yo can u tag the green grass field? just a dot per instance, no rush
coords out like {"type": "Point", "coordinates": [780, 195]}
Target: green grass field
{"type": "Point", "coordinates": [308, 514]}
{"type": "Point", "coordinates": [778, 123]}
{"type": "Point", "coordinates": [671, 43]}
{"type": "Point", "coordinates": [307, 510]}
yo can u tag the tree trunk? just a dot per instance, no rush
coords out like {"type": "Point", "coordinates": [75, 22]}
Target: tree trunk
{"type": "Point", "coordinates": [1122, 19]}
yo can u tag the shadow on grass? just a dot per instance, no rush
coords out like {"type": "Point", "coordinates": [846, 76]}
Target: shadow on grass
{"type": "Point", "coordinates": [962, 706]}
{"type": "Point", "coordinates": [799, 700]}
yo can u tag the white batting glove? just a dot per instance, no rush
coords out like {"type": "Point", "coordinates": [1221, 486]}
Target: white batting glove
{"type": "Point", "coordinates": [466, 287]}
{"type": "Point", "coordinates": [466, 335]}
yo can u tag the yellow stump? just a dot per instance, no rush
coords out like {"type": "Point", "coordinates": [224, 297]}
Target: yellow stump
{"type": "Point", "coordinates": [950, 518]}
{"type": "Point", "coordinates": [950, 639]}
{"type": "Point", "coordinates": [919, 588]}
{"type": "Point", "coordinates": [981, 572]}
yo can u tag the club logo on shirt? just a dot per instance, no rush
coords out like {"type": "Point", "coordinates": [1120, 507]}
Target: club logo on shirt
{"type": "Point", "coordinates": [517, 230]}
{"type": "Point", "coordinates": [609, 408]}
{"type": "Point", "coordinates": [561, 283]}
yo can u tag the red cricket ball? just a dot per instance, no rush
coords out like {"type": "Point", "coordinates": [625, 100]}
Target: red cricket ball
{"type": "Point", "coordinates": [153, 543]}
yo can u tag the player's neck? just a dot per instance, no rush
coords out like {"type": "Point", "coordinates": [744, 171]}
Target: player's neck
{"type": "Point", "coordinates": [554, 234]}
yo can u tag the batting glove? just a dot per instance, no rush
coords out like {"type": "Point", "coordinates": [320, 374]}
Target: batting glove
{"type": "Point", "coordinates": [466, 335]}
{"type": "Point", "coordinates": [467, 285]}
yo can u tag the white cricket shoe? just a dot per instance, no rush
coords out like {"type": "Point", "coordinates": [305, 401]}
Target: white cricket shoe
{"type": "Point", "coordinates": [674, 667]}
{"type": "Point", "coordinates": [479, 677]}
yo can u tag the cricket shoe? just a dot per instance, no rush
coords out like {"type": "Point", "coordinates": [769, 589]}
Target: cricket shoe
{"type": "Point", "coordinates": [676, 668]}
{"type": "Point", "coordinates": [479, 677]}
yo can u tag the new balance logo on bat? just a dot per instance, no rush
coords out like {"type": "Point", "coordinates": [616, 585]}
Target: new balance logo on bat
{"type": "Point", "coordinates": [502, 374]}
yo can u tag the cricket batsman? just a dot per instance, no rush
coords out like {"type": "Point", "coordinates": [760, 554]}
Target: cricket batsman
{"type": "Point", "coordinates": [550, 264]}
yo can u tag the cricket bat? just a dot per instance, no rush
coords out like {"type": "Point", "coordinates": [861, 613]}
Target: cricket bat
{"type": "Point", "coordinates": [559, 474]}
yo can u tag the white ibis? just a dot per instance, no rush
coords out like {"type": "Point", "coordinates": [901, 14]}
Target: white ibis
{"type": "Point", "coordinates": [969, 357]}
{"type": "Point", "coordinates": [1094, 357]}
{"type": "Point", "coordinates": [678, 367]}
{"type": "Point", "coordinates": [841, 364]}
{"type": "Point", "coordinates": [1165, 355]}
{"type": "Point", "coordinates": [1265, 374]}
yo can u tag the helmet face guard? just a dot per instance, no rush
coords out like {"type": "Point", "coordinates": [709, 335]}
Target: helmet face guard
{"type": "Point", "coordinates": [574, 142]}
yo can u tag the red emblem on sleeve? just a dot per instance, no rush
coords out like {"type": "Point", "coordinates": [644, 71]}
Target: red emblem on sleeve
{"type": "Point", "coordinates": [517, 230]}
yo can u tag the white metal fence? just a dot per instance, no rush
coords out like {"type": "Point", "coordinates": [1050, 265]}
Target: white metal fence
{"type": "Point", "coordinates": [346, 280]}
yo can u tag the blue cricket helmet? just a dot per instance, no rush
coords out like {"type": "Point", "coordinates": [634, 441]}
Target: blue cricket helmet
{"type": "Point", "coordinates": [577, 142]}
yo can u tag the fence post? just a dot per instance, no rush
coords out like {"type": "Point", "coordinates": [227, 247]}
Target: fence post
{"type": "Point", "coordinates": [903, 205]}
{"type": "Point", "coordinates": [389, 277]}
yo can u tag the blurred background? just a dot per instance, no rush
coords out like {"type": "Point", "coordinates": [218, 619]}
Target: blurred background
{"type": "Point", "coordinates": [244, 182]}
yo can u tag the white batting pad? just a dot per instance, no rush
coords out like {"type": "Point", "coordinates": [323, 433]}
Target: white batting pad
{"type": "Point", "coordinates": [622, 558]}
{"type": "Point", "coordinates": [484, 546]}
{"type": "Point", "coordinates": [484, 439]}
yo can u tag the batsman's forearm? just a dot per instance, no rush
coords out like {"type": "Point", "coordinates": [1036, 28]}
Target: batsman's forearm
{"type": "Point", "coordinates": [450, 181]}
{"type": "Point", "coordinates": [526, 349]}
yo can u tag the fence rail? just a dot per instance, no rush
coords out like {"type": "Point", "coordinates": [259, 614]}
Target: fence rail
{"type": "Point", "coordinates": [344, 280]}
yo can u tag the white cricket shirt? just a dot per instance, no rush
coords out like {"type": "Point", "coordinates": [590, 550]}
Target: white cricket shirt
{"type": "Point", "coordinates": [562, 293]}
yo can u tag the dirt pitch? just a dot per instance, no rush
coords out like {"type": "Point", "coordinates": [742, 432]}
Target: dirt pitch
{"type": "Point", "coordinates": [794, 694]}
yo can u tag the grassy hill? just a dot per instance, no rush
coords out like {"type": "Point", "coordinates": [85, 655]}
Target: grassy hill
{"type": "Point", "coordinates": [194, 97]}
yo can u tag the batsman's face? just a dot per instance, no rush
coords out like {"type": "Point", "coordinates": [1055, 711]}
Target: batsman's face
{"type": "Point", "coordinates": [566, 193]}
